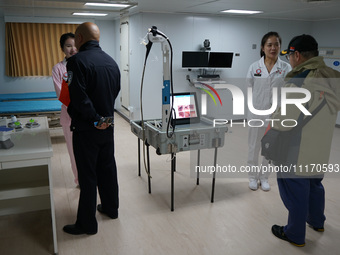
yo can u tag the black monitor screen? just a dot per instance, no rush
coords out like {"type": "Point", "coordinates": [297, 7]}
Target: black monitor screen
{"type": "Point", "coordinates": [220, 59]}
{"type": "Point", "coordinates": [194, 59]}
{"type": "Point", "coordinates": [186, 108]}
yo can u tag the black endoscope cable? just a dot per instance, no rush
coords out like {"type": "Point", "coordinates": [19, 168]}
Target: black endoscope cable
{"type": "Point", "coordinates": [148, 48]}
{"type": "Point", "coordinates": [171, 121]}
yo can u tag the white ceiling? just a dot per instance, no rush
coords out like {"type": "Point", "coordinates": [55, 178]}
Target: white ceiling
{"type": "Point", "coordinates": [274, 9]}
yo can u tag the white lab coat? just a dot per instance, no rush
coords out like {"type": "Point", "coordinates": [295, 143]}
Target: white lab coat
{"type": "Point", "coordinates": [262, 83]}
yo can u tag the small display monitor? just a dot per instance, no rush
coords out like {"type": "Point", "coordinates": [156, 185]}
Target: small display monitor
{"type": "Point", "coordinates": [186, 108]}
{"type": "Point", "coordinates": [204, 59]}
{"type": "Point", "coordinates": [220, 59]}
{"type": "Point", "coordinates": [194, 59]}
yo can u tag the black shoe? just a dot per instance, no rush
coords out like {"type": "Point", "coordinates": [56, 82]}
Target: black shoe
{"type": "Point", "coordinates": [321, 229]}
{"type": "Point", "coordinates": [278, 232]}
{"type": "Point", "coordinates": [112, 216]}
{"type": "Point", "coordinates": [74, 230]}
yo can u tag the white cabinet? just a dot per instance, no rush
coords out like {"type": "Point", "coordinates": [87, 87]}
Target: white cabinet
{"type": "Point", "coordinates": [25, 173]}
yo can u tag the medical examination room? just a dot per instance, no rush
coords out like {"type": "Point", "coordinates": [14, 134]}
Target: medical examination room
{"type": "Point", "coordinates": [185, 127]}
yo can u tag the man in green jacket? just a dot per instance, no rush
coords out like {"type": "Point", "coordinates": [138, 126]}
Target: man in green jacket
{"type": "Point", "coordinates": [301, 189]}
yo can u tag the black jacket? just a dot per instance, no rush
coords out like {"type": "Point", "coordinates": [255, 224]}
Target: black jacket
{"type": "Point", "coordinates": [94, 83]}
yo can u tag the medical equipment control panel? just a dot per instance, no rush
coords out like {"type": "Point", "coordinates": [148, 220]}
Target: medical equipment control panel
{"type": "Point", "coordinates": [197, 136]}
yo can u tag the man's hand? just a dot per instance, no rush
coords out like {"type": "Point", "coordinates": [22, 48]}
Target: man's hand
{"type": "Point", "coordinates": [103, 126]}
{"type": "Point", "coordinates": [104, 123]}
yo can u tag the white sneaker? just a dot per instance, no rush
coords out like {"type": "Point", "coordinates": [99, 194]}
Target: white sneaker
{"type": "Point", "coordinates": [265, 185]}
{"type": "Point", "coordinates": [253, 184]}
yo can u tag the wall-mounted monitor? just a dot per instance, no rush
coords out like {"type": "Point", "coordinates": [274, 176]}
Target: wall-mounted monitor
{"type": "Point", "coordinates": [203, 59]}
{"type": "Point", "coordinates": [194, 59]}
{"type": "Point", "coordinates": [220, 59]}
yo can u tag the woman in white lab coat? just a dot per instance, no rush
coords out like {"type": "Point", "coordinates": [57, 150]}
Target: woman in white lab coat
{"type": "Point", "coordinates": [262, 76]}
{"type": "Point", "coordinates": [58, 73]}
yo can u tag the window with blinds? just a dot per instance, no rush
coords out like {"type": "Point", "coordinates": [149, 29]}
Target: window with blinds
{"type": "Point", "coordinates": [32, 49]}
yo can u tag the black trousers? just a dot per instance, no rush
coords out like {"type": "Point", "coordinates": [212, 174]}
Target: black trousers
{"type": "Point", "coordinates": [94, 155]}
{"type": "Point", "coordinates": [304, 199]}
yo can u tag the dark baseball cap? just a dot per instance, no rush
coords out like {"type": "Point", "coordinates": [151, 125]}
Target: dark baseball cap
{"type": "Point", "coordinates": [301, 43]}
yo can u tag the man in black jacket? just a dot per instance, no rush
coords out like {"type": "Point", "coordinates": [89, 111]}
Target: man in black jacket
{"type": "Point", "coordinates": [94, 83]}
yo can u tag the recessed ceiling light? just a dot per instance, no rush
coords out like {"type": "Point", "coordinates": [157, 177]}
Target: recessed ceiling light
{"type": "Point", "coordinates": [89, 14]}
{"type": "Point", "coordinates": [108, 5]}
{"type": "Point", "coordinates": [242, 11]}
{"type": "Point", "coordinates": [316, 1]}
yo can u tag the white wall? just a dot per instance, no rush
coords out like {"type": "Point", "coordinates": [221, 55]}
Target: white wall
{"type": "Point", "coordinates": [42, 84]}
{"type": "Point", "coordinates": [326, 33]}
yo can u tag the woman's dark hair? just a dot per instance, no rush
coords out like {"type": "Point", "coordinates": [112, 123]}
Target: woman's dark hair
{"type": "Point", "coordinates": [265, 38]}
{"type": "Point", "coordinates": [64, 37]}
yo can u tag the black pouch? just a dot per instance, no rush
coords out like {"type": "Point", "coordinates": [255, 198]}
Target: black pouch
{"type": "Point", "coordinates": [275, 145]}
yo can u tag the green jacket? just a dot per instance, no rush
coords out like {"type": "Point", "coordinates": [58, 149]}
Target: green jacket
{"type": "Point", "coordinates": [311, 146]}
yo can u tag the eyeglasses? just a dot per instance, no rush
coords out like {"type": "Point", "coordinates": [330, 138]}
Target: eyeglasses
{"type": "Point", "coordinates": [288, 55]}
